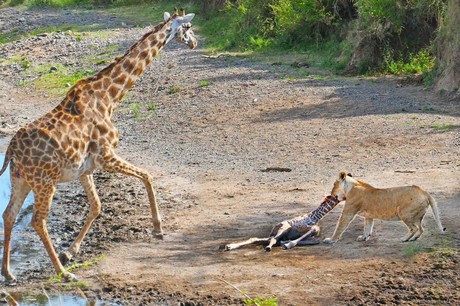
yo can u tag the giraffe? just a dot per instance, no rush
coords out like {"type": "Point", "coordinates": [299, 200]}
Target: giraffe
{"type": "Point", "coordinates": [77, 137]}
{"type": "Point", "coordinates": [301, 230]}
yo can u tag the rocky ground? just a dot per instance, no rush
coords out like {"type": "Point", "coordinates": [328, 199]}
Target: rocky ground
{"type": "Point", "coordinates": [207, 128]}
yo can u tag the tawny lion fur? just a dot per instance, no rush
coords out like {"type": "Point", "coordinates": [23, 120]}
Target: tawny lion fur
{"type": "Point", "coordinates": [407, 203]}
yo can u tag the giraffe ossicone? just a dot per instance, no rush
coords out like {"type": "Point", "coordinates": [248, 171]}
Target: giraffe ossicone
{"type": "Point", "coordinates": [77, 137]}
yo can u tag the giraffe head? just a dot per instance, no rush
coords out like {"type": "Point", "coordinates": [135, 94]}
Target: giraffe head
{"type": "Point", "coordinates": [181, 28]}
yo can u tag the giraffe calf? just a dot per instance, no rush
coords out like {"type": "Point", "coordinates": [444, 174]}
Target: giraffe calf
{"type": "Point", "coordinates": [301, 230]}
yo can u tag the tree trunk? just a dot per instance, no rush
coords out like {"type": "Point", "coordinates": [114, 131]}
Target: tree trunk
{"type": "Point", "coordinates": [448, 54]}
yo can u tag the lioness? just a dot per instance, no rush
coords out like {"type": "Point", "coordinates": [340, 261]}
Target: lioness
{"type": "Point", "coordinates": [407, 203]}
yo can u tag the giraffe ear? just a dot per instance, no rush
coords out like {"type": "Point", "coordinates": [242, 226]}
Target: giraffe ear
{"type": "Point", "coordinates": [186, 19]}
{"type": "Point", "coordinates": [166, 16]}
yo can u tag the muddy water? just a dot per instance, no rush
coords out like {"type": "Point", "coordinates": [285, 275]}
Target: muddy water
{"type": "Point", "coordinates": [23, 299]}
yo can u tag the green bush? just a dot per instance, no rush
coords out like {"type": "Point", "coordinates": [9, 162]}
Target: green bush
{"type": "Point", "coordinates": [420, 62]}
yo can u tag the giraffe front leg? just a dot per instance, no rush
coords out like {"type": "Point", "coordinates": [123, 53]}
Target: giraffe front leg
{"type": "Point", "coordinates": [19, 191]}
{"type": "Point", "coordinates": [87, 182]}
{"type": "Point", "coordinates": [113, 163]}
{"type": "Point", "coordinates": [43, 198]}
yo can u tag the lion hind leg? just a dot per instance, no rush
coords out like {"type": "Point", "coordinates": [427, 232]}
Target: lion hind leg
{"type": "Point", "coordinates": [413, 230]}
{"type": "Point", "coordinates": [420, 229]}
{"type": "Point", "coordinates": [413, 221]}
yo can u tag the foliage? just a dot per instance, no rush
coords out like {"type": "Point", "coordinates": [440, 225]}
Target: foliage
{"type": "Point", "coordinates": [86, 264]}
{"type": "Point", "coordinates": [270, 301]}
{"type": "Point", "coordinates": [421, 62]}
{"type": "Point", "coordinates": [402, 30]}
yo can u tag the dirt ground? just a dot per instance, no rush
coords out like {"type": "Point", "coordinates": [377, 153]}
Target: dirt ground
{"type": "Point", "coordinates": [218, 123]}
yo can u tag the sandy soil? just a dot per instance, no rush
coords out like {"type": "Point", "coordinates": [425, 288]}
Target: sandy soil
{"type": "Point", "coordinates": [206, 147]}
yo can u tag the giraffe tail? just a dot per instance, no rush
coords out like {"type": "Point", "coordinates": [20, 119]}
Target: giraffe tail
{"type": "Point", "coordinates": [8, 158]}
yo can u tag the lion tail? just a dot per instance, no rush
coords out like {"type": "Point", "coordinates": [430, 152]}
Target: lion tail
{"type": "Point", "coordinates": [434, 207]}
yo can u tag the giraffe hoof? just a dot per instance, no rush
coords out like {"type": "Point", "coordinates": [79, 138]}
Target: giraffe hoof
{"type": "Point", "coordinates": [268, 249]}
{"type": "Point", "coordinates": [69, 277]}
{"type": "Point", "coordinates": [9, 278]}
{"type": "Point", "coordinates": [158, 235]}
{"type": "Point", "coordinates": [65, 257]}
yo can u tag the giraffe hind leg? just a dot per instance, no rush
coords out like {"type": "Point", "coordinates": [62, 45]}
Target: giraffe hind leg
{"type": "Point", "coordinates": [19, 191]}
{"type": "Point", "coordinates": [43, 198]}
{"type": "Point", "coordinates": [95, 209]}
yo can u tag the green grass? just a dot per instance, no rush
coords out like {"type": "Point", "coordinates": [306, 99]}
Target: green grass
{"type": "Point", "coordinates": [151, 107]}
{"type": "Point", "coordinates": [174, 89]}
{"type": "Point", "coordinates": [444, 257]}
{"type": "Point", "coordinates": [443, 127]}
{"type": "Point", "coordinates": [413, 248]}
{"type": "Point", "coordinates": [76, 30]}
{"type": "Point", "coordinates": [75, 266]}
{"type": "Point", "coordinates": [270, 301]}
{"type": "Point", "coordinates": [58, 82]}
{"type": "Point", "coordinates": [105, 57]}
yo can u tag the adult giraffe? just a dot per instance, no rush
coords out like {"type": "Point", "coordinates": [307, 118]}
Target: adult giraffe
{"type": "Point", "coordinates": [78, 137]}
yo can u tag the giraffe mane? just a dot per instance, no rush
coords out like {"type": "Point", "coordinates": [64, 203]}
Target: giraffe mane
{"type": "Point", "coordinates": [119, 58]}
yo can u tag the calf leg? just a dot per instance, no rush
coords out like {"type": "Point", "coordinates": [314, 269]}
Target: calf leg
{"type": "Point", "coordinates": [254, 240]}
{"type": "Point", "coordinates": [280, 230]}
{"type": "Point", "coordinates": [305, 238]}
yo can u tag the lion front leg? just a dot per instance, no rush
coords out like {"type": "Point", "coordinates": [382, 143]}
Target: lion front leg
{"type": "Point", "coordinates": [368, 227]}
{"type": "Point", "coordinates": [344, 221]}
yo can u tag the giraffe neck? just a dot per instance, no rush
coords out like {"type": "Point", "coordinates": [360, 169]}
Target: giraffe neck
{"type": "Point", "coordinates": [328, 204]}
{"type": "Point", "coordinates": [117, 78]}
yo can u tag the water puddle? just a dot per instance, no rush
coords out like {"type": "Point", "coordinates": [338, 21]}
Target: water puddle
{"type": "Point", "coordinates": [22, 299]}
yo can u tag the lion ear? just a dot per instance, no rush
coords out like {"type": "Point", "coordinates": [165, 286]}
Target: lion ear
{"type": "Point", "coordinates": [349, 174]}
{"type": "Point", "coordinates": [342, 175]}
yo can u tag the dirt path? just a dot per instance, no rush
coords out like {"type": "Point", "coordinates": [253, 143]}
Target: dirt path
{"type": "Point", "coordinates": [217, 123]}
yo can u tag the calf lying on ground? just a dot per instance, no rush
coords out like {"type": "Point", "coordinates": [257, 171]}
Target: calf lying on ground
{"type": "Point", "coordinates": [302, 230]}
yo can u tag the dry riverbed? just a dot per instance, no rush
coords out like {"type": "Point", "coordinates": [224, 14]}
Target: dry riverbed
{"type": "Point", "coordinates": [206, 128]}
